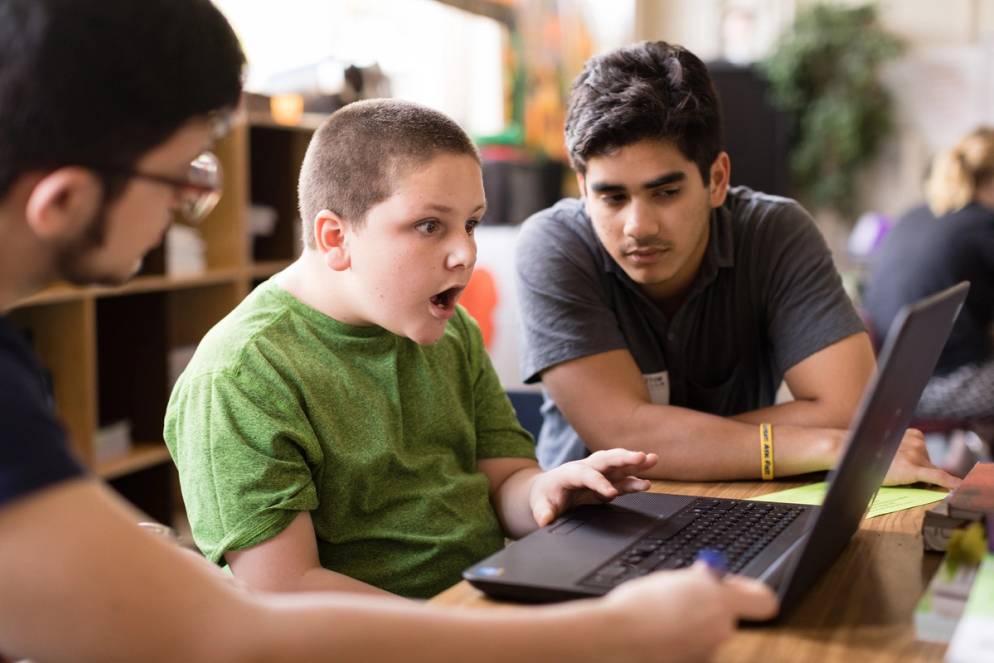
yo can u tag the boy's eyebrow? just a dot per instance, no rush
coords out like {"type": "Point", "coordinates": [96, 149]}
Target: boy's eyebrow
{"type": "Point", "coordinates": [445, 209]}
{"type": "Point", "coordinates": [662, 180]}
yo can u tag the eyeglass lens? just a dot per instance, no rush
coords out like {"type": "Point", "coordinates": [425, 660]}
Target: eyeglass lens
{"type": "Point", "coordinates": [205, 192]}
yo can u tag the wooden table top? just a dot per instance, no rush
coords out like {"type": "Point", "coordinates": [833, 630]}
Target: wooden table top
{"type": "Point", "coordinates": [861, 609]}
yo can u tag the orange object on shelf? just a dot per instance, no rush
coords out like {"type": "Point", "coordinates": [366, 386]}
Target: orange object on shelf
{"type": "Point", "coordinates": [480, 298]}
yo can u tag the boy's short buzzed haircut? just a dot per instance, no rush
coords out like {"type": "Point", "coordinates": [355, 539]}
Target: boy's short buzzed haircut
{"type": "Point", "coordinates": [357, 153]}
{"type": "Point", "coordinates": [97, 83]}
{"type": "Point", "coordinates": [650, 90]}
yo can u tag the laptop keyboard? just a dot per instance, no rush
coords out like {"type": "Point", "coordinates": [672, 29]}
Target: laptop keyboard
{"type": "Point", "coordinates": [738, 529]}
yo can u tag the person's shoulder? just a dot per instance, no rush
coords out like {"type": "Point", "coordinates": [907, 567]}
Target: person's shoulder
{"type": "Point", "coordinates": [565, 220]}
{"type": "Point", "coordinates": [974, 216]}
{"type": "Point", "coordinates": [20, 371]}
{"type": "Point", "coordinates": [252, 327]}
{"type": "Point", "coordinates": [559, 237]}
{"type": "Point", "coordinates": [19, 378]}
{"type": "Point", "coordinates": [769, 219]}
{"type": "Point", "coordinates": [755, 207]}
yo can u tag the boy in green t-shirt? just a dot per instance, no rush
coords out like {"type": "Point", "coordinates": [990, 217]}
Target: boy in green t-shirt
{"type": "Point", "coordinates": [343, 427]}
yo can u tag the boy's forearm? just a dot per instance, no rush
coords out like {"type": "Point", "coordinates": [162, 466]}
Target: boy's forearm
{"type": "Point", "coordinates": [511, 502]}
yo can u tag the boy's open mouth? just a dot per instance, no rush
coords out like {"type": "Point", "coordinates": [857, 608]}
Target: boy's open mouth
{"type": "Point", "coordinates": [446, 300]}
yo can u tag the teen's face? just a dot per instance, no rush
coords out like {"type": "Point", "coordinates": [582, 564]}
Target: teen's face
{"type": "Point", "coordinates": [415, 253]}
{"type": "Point", "coordinates": [651, 209]}
{"type": "Point", "coordinates": [136, 221]}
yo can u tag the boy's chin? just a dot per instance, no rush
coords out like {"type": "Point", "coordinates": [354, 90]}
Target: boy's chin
{"type": "Point", "coordinates": [424, 335]}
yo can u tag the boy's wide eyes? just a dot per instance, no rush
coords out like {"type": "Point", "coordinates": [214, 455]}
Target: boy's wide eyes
{"type": "Point", "coordinates": [432, 226]}
{"type": "Point", "coordinates": [429, 227]}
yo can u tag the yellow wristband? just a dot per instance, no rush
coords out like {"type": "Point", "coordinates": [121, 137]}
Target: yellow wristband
{"type": "Point", "coordinates": [766, 450]}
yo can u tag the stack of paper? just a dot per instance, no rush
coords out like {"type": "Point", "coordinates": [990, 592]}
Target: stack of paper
{"type": "Point", "coordinates": [973, 641]}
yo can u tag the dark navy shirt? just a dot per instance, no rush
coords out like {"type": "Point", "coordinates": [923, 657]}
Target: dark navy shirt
{"type": "Point", "coordinates": [767, 296]}
{"type": "Point", "coordinates": [923, 255]}
{"type": "Point", "coordinates": [33, 449]}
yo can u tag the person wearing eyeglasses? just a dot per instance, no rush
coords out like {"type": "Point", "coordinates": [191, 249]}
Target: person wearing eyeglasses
{"type": "Point", "coordinates": [106, 111]}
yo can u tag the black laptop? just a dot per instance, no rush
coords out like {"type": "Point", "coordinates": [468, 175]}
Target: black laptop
{"type": "Point", "coordinates": [592, 549]}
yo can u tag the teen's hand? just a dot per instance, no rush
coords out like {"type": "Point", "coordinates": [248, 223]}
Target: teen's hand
{"type": "Point", "coordinates": [911, 464]}
{"type": "Point", "coordinates": [600, 477]}
{"type": "Point", "coordinates": [687, 614]}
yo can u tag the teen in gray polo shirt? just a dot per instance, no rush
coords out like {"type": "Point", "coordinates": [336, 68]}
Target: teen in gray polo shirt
{"type": "Point", "coordinates": [662, 310]}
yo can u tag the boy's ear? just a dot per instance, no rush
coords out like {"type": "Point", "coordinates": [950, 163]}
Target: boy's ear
{"type": "Point", "coordinates": [62, 203]}
{"type": "Point", "coordinates": [331, 240]}
{"type": "Point", "coordinates": [721, 173]}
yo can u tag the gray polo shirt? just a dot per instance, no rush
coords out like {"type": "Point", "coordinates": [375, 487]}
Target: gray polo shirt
{"type": "Point", "coordinates": [766, 297]}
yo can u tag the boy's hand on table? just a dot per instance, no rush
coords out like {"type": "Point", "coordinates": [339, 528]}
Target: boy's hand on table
{"type": "Point", "coordinates": [600, 477]}
{"type": "Point", "coordinates": [911, 464]}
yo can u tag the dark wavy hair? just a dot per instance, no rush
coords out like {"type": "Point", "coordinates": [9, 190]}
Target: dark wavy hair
{"type": "Point", "coordinates": [650, 90]}
{"type": "Point", "coordinates": [100, 82]}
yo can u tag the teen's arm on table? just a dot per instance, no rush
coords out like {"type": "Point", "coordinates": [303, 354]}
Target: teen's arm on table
{"type": "Point", "coordinates": [605, 399]}
{"type": "Point", "coordinates": [826, 387]}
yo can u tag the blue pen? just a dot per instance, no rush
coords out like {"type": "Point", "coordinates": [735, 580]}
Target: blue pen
{"type": "Point", "coordinates": [714, 560]}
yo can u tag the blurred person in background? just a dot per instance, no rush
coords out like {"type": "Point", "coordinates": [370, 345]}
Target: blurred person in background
{"type": "Point", "coordinates": [933, 246]}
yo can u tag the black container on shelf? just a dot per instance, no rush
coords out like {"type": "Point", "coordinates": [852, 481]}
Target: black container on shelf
{"type": "Point", "coordinates": [517, 189]}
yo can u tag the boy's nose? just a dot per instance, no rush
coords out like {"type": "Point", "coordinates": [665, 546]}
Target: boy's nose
{"type": "Point", "coordinates": [462, 254]}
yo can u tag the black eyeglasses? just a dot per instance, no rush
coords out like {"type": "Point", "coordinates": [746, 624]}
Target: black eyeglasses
{"type": "Point", "coordinates": [198, 193]}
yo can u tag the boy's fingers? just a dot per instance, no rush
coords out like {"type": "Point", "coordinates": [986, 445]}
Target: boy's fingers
{"type": "Point", "coordinates": [543, 516]}
{"type": "Point", "coordinates": [632, 485]}
{"type": "Point", "coordinates": [750, 599]}
{"type": "Point", "coordinates": [623, 470]}
{"type": "Point", "coordinates": [544, 511]}
{"type": "Point", "coordinates": [612, 459]}
{"type": "Point", "coordinates": [598, 483]}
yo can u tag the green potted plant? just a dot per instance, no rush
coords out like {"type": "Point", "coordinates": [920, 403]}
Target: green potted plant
{"type": "Point", "coordinates": [824, 75]}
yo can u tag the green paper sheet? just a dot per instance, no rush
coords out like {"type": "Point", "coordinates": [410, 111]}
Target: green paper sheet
{"type": "Point", "coordinates": [888, 500]}
{"type": "Point", "coordinates": [981, 601]}
{"type": "Point", "coordinates": [973, 640]}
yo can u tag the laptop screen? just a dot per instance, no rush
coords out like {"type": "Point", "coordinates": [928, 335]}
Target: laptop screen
{"type": "Point", "coordinates": [909, 356]}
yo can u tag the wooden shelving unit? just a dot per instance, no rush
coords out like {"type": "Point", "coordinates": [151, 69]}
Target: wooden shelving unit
{"type": "Point", "coordinates": [142, 456]}
{"type": "Point", "coordinates": [107, 350]}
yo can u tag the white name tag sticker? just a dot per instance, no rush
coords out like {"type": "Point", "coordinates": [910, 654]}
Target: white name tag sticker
{"type": "Point", "coordinates": [658, 385]}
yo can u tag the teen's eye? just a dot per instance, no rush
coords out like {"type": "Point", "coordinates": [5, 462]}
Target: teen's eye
{"type": "Point", "coordinates": [429, 227]}
{"type": "Point", "coordinates": [471, 226]}
{"type": "Point", "coordinates": [614, 199]}
{"type": "Point", "coordinates": [666, 193]}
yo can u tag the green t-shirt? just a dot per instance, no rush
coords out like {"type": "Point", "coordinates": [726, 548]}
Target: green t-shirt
{"type": "Point", "coordinates": [283, 409]}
